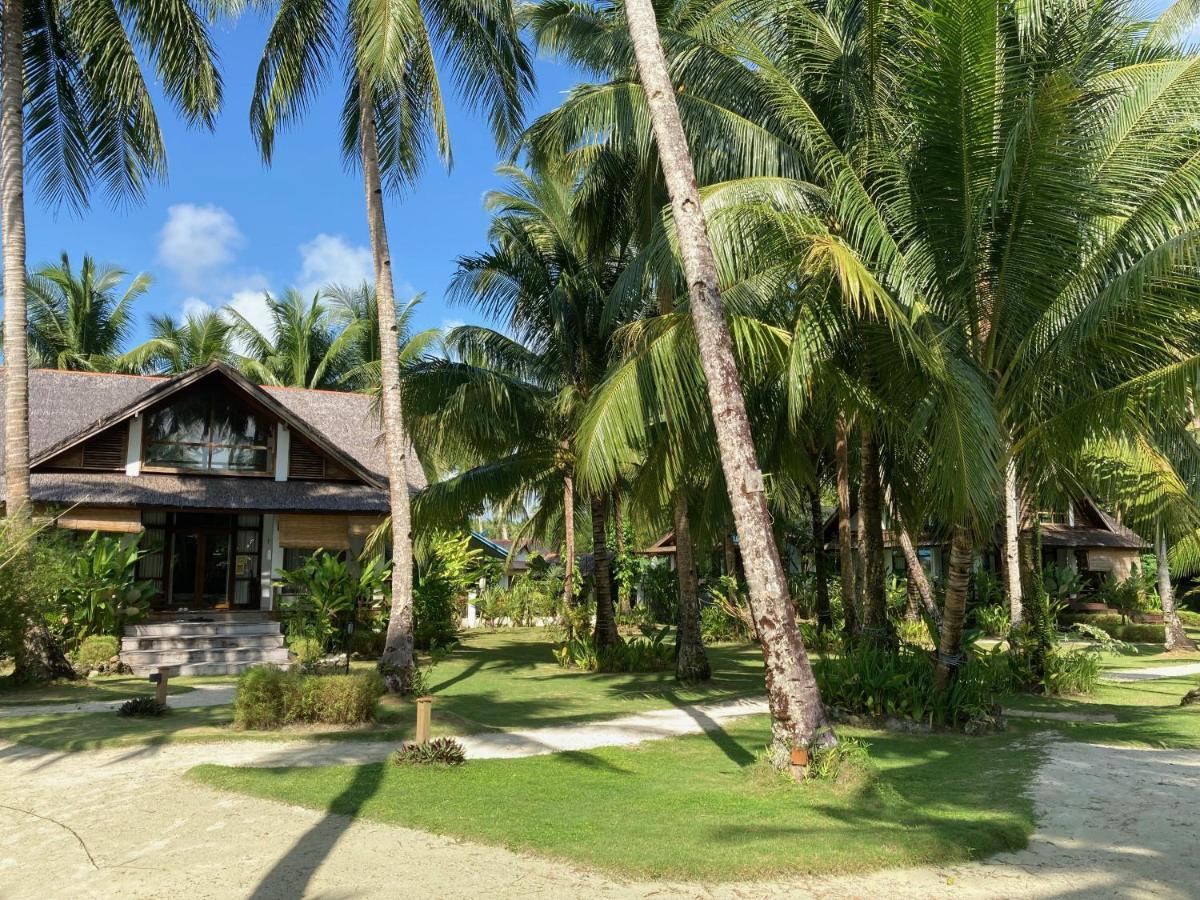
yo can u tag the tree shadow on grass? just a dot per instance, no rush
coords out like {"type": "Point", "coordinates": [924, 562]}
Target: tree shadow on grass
{"type": "Point", "coordinates": [734, 751]}
{"type": "Point", "coordinates": [289, 877]}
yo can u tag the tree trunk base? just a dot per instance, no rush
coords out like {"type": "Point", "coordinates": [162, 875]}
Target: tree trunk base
{"type": "Point", "coordinates": [40, 658]}
{"type": "Point", "coordinates": [691, 663]}
{"type": "Point", "coordinates": [398, 667]}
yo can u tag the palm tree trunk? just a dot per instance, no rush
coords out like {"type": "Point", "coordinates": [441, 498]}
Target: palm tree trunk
{"type": "Point", "coordinates": [797, 714]}
{"type": "Point", "coordinates": [12, 196]}
{"type": "Point", "coordinates": [949, 656]}
{"type": "Point", "coordinates": [845, 545]}
{"type": "Point", "coordinates": [606, 616]}
{"type": "Point", "coordinates": [916, 575]}
{"type": "Point", "coordinates": [397, 660]}
{"type": "Point", "coordinates": [1012, 544]}
{"type": "Point", "coordinates": [691, 662]}
{"type": "Point", "coordinates": [623, 600]}
{"type": "Point", "coordinates": [875, 593]}
{"type": "Point", "coordinates": [824, 613]}
{"type": "Point", "coordinates": [730, 550]}
{"type": "Point", "coordinates": [1176, 637]}
{"type": "Point", "coordinates": [568, 549]}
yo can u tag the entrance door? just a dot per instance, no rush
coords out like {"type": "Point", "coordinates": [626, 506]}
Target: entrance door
{"type": "Point", "coordinates": [212, 561]}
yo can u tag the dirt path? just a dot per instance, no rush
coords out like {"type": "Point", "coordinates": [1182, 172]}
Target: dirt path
{"type": "Point", "coordinates": [199, 695]}
{"type": "Point", "coordinates": [1149, 673]}
{"type": "Point", "coordinates": [122, 823]}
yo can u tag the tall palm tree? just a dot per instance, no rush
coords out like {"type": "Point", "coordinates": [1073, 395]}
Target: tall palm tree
{"type": "Point", "coordinates": [177, 346]}
{"type": "Point", "coordinates": [549, 280]}
{"type": "Point", "coordinates": [393, 108]}
{"type": "Point", "coordinates": [305, 346]}
{"type": "Point", "coordinates": [75, 105]}
{"type": "Point", "coordinates": [78, 321]}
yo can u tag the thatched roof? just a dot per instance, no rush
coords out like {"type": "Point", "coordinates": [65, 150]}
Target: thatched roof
{"type": "Point", "coordinates": [67, 406]}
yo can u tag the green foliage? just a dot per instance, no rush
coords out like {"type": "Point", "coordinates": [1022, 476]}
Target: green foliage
{"type": "Point", "coordinates": [988, 588]}
{"type": "Point", "coordinates": [1118, 627]}
{"type": "Point", "coordinates": [717, 625]}
{"type": "Point", "coordinates": [1071, 672]}
{"type": "Point", "coordinates": [270, 698]}
{"type": "Point", "coordinates": [649, 653]}
{"type": "Point", "coordinates": [33, 567]}
{"type": "Point", "coordinates": [1061, 582]}
{"type": "Point", "coordinates": [847, 760]}
{"type": "Point", "coordinates": [820, 640]}
{"type": "Point", "coordinates": [306, 649]}
{"type": "Point", "coordinates": [450, 569]}
{"type": "Point", "coordinates": [915, 633]}
{"type": "Point", "coordinates": [326, 592]}
{"type": "Point", "coordinates": [94, 651]}
{"type": "Point", "coordinates": [873, 681]}
{"type": "Point", "coordinates": [142, 708]}
{"type": "Point", "coordinates": [660, 589]}
{"type": "Point", "coordinates": [422, 678]}
{"type": "Point", "coordinates": [101, 593]}
{"type": "Point", "coordinates": [442, 751]}
{"type": "Point", "coordinates": [992, 619]}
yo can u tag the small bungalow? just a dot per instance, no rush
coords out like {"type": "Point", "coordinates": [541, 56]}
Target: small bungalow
{"type": "Point", "coordinates": [514, 555]}
{"type": "Point", "coordinates": [228, 480]}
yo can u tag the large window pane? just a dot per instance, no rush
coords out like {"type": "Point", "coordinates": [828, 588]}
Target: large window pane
{"type": "Point", "coordinates": [178, 456]}
{"type": "Point", "coordinates": [207, 430]}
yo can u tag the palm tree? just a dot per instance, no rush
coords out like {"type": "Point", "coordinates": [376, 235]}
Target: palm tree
{"type": "Point", "coordinates": [394, 106]}
{"type": "Point", "coordinates": [78, 321]}
{"type": "Point", "coordinates": [175, 347]}
{"type": "Point", "coordinates": [356, 310]}
{"type": "Point", "coordinates": [549, 280]}
{"type": "Point", "coordinates": [75, 105]}
{"type": "Point", "coordinates": [305, 347]}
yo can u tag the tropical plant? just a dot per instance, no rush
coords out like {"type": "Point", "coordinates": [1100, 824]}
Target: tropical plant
{"type": "Point", "coordinates": [325, 592]}
{"type": "Point", "coordinates": [449, 570]}
{"type": "Point", "coordinates": [175, 347]}
{"type": "Point", "coordinates": [442, 751]}
{"type": "Point", "coordinates": [144, 707]}
{"type": "Point", "coordinates": [101, 593]}
{"type": "Point", "coordinates": [394, 105]}
{"type": "Point", "coordinates": [992, 619]}
{"type": "Point", "coordinates": [304, 346]}
{"type": "Point", "coordinates": [33, 566]}
{"type": "Point", "coordinates": [78, 320]}
{"type": "Point", "coordinates": [356, 310]}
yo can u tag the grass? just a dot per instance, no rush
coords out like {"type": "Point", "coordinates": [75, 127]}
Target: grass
{"type": "Point", "coordinates": [696, 807]}
{"type": "Point", "coordinates": [503, 679]}
{"type": "Point", "coordinates": [1148, 714]}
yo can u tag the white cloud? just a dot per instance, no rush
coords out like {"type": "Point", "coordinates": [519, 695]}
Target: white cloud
{"type": "Point", "coordinates": [197, 241]}
{"type": "Point", "coordinates": [330, 259]}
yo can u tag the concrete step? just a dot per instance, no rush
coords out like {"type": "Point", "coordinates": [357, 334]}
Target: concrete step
{"type": "Point", "coordinates": [200, 629]}
{"type": "Point", "coordinates": [151, 659]}
{"type": "Point", "coordinates": [209, 668]}
{"type": "Point", "coordinates": [201, 642]}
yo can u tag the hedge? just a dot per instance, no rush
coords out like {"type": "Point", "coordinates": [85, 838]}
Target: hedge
{"type": "Point", "coordinates": [272, 698]}
{"type": "Point", "coordinates": [1118, 628]}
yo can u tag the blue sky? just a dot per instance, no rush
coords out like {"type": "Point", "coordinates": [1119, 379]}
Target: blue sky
{"type": "Point", "coordinates": [224, 227]}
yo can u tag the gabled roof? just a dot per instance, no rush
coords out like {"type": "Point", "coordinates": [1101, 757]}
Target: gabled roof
{"type": "Point", "coordinates": [67, 407]}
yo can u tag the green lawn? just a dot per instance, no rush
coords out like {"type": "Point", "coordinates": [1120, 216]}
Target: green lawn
{"type": "Point", "coordinates": [696, 807]}
{"type": "Point", "coordinates": [503, 679]}
{"type": "Point", "coordinates": [106, 687]}
{"type": "Point", "coordinates": [1147, 712]}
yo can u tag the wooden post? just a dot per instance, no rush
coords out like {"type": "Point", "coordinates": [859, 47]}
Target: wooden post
{"type": "Point", "coordinates": [160, 689]}
{"type": "Point", "coordinates": [424, 718]}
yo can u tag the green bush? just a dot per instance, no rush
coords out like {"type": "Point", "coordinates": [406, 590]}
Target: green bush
{"type": "Point", "coordinates": [660, 589]}
{"type": "Point", "coordinates": [95, 651]}
{"type": "Point", "coordinates": [717, 625]}
{"type": "Point", "coordinates": [1119, 628]}
{"type": "Point", "coordinates": [326, 592]}
{"type": "Point", "coordinates": [270, 698]}
{"type": "Point", "coordinates": [915, 633]}
{"type": "Point", "coordinates": [992, 620]}
{"type": "Point", "coordinates": [33, 569]}
{"type": "Point", "coordinates": [306, 649]}
{"type": "Point", "coordinates": [1071, 672]}
{"type": "Point", "coordinates": [879, 682]}
{"type": "Point", "coordinates": [820, 640]}
{"type": "Point", "coordinates": [450, 569]}
{"type": "Point", "coordinates": [101, 593]}
{"type": "Point", "coordinates": [651, 653]}
{"type": "Point", "coordinates": [442, 751]}
{"type": "Point", "coordinates": [1189, 618]}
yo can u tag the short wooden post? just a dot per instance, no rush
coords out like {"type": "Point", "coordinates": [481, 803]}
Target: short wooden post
{"type": "Point", "coordinates": [424, 718]}
{"type": "Point", "coordinates": [160, 689]}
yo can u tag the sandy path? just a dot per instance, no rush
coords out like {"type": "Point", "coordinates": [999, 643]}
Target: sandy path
{"type": "Point", "coordinates": [199, 695]}
{"type": "Point", "coordinates": [1149, 673]}
{"type": "Point", "coordinates": [1113, 822]}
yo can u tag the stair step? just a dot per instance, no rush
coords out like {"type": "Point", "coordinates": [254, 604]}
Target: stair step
{"type": "Point", "coordinates": [209, 668]}
{"type": "Point", "coordinates": [200, 629]}
{"type": "Point", "coordinates": [201, 642]}
{"type": "Point", "coordinates": [155, 658]}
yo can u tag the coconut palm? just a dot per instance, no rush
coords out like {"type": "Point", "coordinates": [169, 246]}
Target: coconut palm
{"type": "Point", "coordinates": [79, 320]}
{"type": "Point", "coordinates": [305, 347]}
{"type": "Point", "coordinates": [76, 107]}
{"type": "Point", "coordinates": [393, 112]}
{"type": "Point", "coordinates": [355, 309]}
{"type": "Point", "coordinates": [177, 346]}
{"type": "Point", "coordinates": [549, 280]}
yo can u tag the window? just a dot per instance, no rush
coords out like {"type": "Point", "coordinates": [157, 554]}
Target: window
{"type": "Point", "coordinates": [207, 430]}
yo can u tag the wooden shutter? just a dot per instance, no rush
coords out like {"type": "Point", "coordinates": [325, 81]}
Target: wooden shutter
{"type": "Point", "coordinates": [309, 532]}
{"type": "Point", "coordinates": [94, 518]}
{"type": "Point", "coordinates": [106, 450]}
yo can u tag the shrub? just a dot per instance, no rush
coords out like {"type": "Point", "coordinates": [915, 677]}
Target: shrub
{"type": "Point", "coordinates": [142, 707]}
{"type": "Point", "coordinates": [95, 651]}
{"type": "Point", "coordinates": [1119, 628]}
{"type": "Point", "coordinates": [1189, 618]}
{"type": "Point", "coordinates": [819, 640]}
{"type": "Point", "coordinates": [442, 751]}
{"type": "Point", "coordinates": [660, 590]}
{"type": "Point", "coordinates": [874, 681]}
{"type": "Point", "coordinates": [717, 625]}
{"type": "Point", "coordinates": [915, 633]}
{"type": "Point", "coordinates": [326, 593]}
{"type": "Point", "coordinates": [306, 649]}
{"type": "Point", "coordinates": [101, 593]}
{"type": "Point", "coordinates": [33, 568]}
{"type": "Point", "coordinates": [993, 620]}
{"type": "Point", "coordinates": [272, 698]}
{"type": "Point", "coordinates": [642, 654]}
{"type": "Point", "coordinates": [450, 570]}
{"type": "Point", "coordinates": [1071, 672]}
